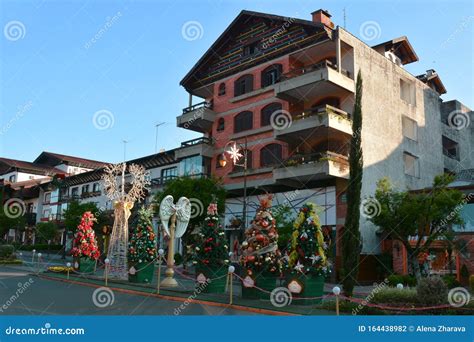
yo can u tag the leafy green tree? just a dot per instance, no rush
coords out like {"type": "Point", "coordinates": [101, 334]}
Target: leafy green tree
{"type": "Point", "coordinates": [284, 217]}
{"type": "Point", "coordinates": [425, 214]}
{"type": "Point", "coordinates": [200, 191]}
{"type": "Point", "coordinates": [47, 231]}
{"type": "Point", "coordinates": [351, 241]}
{"type": "Point", "coordinates": [73, 214]}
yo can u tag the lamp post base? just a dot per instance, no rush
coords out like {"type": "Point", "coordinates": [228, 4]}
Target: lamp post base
{"type": "Point", "coordinates": [169, 281]}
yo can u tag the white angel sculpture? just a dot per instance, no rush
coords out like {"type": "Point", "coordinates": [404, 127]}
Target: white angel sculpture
{"type": "Point", "coordinates": [114, 185]}
{"type": "Point", "coordinates": [175, 220]}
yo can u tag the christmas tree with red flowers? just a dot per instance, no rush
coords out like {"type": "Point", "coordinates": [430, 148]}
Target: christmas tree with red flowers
{"type": "Point", "coordinates": [260, 253]}
{"type": "Point", "coordinates": [85, 244]}
{"type": "Point", "coordinates": [211, 250]}
{"type": "Point", "coordinates": [142, 248]}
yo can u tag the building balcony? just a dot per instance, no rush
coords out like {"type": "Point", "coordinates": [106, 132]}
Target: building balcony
{"type": "Point", "coordinates": [161, 181]}
{"type": "Point", "coordinates": [299, 170]}
{"type": "Point", "coordinates": [304, 124]}
{"type": "Point", "coordinates": [317, 80]}
{"type": "Point", "coordinates": [198, 117]}
{"type": "Point", "coordinates": [200, 146]}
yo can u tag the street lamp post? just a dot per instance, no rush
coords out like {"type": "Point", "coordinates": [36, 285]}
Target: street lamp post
{"type": "Point", "coordinates": [235, 154]}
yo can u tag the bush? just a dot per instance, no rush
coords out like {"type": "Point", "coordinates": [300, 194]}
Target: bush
{"type": "Point", "coordinates": [6, 251]}
{"type": "Point", "coordinates": [432, 291]}
{"type": "Point", "coordinates": [40, 247]}
{"type": "Point", "coordinates": [451, 281]}
{"type": "Point", "coordinates": [406, 280]}
{"type": "Point", "coordinates": [471, 282]}
{"type": "Point", "coordinates": [390, 295]}
{"type": "Point", "coordinates": [395, 279]}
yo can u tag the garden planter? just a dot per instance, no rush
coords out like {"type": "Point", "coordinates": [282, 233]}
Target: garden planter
{"type": "Point", "coordinates": [143, 273]}
{"type": "Point", "coordinates": [215, 285]}
{"type": "Point", "coordinates": [264, 282]}
{"type": "Point", "coordinates": [86, 265]}
{"type": "Point", "coordinates": [305, 286]}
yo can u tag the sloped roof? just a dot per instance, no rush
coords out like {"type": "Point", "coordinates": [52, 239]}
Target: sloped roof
{"type": "Point", "coordinates": [401, 47]}
{"type": "Point", "coordinates": [432, 78]}
{"type": "Point", "coordinates": [54, 159]}
{"type": "Point", "coordinates": [148, 162]}
{"type": "Point", "coordinates": [8, 165]}
{"type": "Point", "coordinates": [189, 81]}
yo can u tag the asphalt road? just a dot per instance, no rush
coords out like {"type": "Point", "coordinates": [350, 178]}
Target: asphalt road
{"type": "Point", "coordinates": [23, 294]}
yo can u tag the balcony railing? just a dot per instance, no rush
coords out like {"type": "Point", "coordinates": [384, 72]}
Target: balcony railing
{"type": "Point", "coordinates": [160, 181]}
{"type": "Point", "coordinates": [313, 67]}
{"type": "Point", "coordinates": [197, 141]}
{"type": "Point", "coordinates": [203, 104]}
{"type": "Point", "coordinates": [301, 115]}
{"type": "Point", "coordinates": [301, 159]}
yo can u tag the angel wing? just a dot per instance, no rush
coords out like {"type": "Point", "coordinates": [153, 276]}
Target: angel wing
{"type": "Point", "coordinates": [183, 215]}
{"type": "Point", "coordinates": [167, 209]}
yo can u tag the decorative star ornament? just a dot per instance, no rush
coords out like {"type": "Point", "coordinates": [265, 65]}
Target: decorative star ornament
{"type": "Point", "coordinates": [234, 153]}
{"type": "Point", "coordinates": [314, 258]}
{"type": "Point", "coordinates": [299, 267]}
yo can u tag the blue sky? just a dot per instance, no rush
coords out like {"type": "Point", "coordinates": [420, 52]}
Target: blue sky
{"type": "Point", "coordinates": [54, 78]}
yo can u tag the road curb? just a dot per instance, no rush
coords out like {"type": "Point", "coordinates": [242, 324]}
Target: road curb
{"type": "Point", "coordinates": [176, 299]}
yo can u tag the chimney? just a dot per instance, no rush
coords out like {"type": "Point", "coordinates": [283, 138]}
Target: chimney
{"type": "Point", "coordinates": [323, 17]}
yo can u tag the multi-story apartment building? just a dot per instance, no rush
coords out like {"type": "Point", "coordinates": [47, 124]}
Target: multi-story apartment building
{"type": "Point", "coordinates": [285, 88]}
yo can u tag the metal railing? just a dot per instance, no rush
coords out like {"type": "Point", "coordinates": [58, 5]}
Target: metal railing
{"type": "Point", "coordinates": [203, 104]}
{"type": "Point", "coordinates": [202, 140]}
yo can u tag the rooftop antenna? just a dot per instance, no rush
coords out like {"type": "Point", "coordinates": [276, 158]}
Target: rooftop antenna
{"type": "Point", "coordinates": [344, 12]}
{"type": "Point", "coordinates": [156, 135]}
{"type": "Point", "coordinates": [125, 142]}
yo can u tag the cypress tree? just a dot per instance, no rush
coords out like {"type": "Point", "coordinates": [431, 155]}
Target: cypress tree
{"type": "Point", "coordinates": [351, 241]}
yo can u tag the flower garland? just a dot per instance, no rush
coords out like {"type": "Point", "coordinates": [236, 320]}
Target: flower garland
{"type": "Point", "coordinates": [307, 246]}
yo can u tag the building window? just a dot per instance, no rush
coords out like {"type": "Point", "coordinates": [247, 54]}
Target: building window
{"type": "Point", "coordinates": [267, 111]}
{"type": "Point", "coordinates": [96, 187]}
{"type": "Point", "coordinates": [271, 75]}
{"type": "Point", "coordinates": [220, 125]}
{"type": "Point", "coordinates": [411, 164]}
{"type": "Point", "coordinates": [75, 192]}
{"type": "Point", "coordinates": [221, 89]}
{"type": "Point", "coordinates": [85, 189]}
{"type": "Point", "coordinates": [243, 121]}
{"type": "Point", "coordinates": [408, 92]}
{"type": "Point", "coordinates": [450, 148]}
{"type": "Point", "coordinates": [240, 168]}
{"type": "Point", "coordinates": [251, 49]}
{"type": "Point", "coordinates": [270, 155]}
{"type": "Point", "coordinates": [243, 85]}
{"type": "Point", "coordinates": [46, 213]}
{"type": "Point", "coordinates": [12, 179]}
{"type": "Point", "coordinates": [409, 128]}
{"type": "Point", "coordinates": [47, 197]}
{"type": "Point", "coordinates": [169, 173]}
